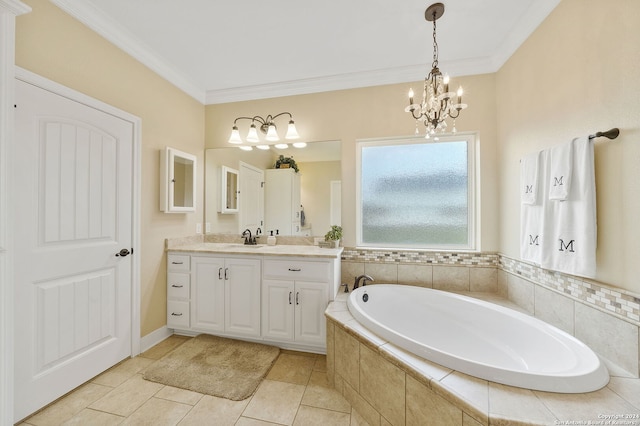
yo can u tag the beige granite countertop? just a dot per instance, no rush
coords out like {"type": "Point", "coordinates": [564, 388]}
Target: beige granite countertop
{"type": "Point", "coordinates": [260, 250]}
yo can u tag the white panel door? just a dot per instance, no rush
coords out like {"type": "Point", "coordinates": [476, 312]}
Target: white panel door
{"type": "Point", "coordinates": [242, 297]}
{"type": "Point", "coordinates": [73, 194]}
{"type": "Point", "coordinates": [207, 293]}
{"type": "Point", "coordinates": [277, 309]}
{"type": "Point", "coordinates": [311, 300]}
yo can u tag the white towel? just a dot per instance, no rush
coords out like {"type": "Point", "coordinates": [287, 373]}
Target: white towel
{"type": "Point", "coordinates": [560, 167]}
{"type": "Point", "coordinates": [529, 178]}
{"type": "Point", "coordinates": [570, 244]}
{"type": "Point", "coordinates": [532, 214]}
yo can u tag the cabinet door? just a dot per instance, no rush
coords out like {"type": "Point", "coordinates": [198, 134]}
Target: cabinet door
{"type": "Point", "coordinates": [277, 309]}
{"type": "Point", "coordinates": [310, 303]}
{"type": "Point", "coordinates": [207, 293]}
{"type": "Point", "coordinates": [242, 296]}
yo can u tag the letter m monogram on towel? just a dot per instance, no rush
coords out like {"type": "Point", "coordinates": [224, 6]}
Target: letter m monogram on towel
{"type": "Point", "coordinates": [534, 241]}
{"type": "Point", "coordinates": [568, 247]}
{"type": "Point", "coordinates": [557, 182]}
{"type": "Point", "coordinates": [528, 189]}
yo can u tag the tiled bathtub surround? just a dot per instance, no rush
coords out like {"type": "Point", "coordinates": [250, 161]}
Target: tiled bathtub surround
{"type": "Point", "coordinates": [388, 385]}
{"type": "Point", "coordinates": [605, 318]}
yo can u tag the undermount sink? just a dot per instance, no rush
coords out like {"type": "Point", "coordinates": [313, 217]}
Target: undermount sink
{"type": "Point", "coordinates": [239, 245]}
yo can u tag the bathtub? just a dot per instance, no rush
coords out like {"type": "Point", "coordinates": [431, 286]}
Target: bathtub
{"type": "Point", "coordinates": [478, 338]}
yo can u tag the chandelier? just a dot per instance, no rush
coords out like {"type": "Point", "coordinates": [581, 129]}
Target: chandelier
{"type": "Point", "coordinates": [268, 127]}
{"type": "Point", "coordinates": [437, 101]}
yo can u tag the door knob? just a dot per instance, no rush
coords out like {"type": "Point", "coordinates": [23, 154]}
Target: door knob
{"type": "Point", "coordinates": [124, 252]}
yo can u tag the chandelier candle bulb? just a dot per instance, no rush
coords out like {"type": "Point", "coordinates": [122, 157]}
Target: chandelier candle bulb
{"type": "Point", "coordinates": [410, 96]}
{"type": "Point", "coordinates": [445, 80]}
{"type": "Point", "coordinates": [460, 95]}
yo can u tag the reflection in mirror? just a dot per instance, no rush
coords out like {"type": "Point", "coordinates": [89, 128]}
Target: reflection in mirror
{"type": "Point", "coordinates": [320, 168]}
{"type": "Point", "coordinates": [183, 175]}
{"type": "Point", "coordinates": [228, 190]}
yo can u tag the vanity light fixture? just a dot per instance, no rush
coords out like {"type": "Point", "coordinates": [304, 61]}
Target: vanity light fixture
{"type": "Point", "coordinates": [267, 126]}
{"type": "Point", "coordinates": [437, 101]}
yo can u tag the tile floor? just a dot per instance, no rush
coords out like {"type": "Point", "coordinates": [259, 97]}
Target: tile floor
{"type": "Point", "coordinates": [295, 392]}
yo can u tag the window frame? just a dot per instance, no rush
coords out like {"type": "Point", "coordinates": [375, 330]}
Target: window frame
{"type": "Point", "coordinates": [473, 221]}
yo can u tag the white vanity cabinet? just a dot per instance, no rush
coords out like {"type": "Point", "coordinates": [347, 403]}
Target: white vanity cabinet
{"type": "Point", "coordinates": [295, 296]}
{"type": "Point", "coordinates": [225, 295]}
{"type": "Point", "coordinates": [277, 294]}
{"type": "Point", "coordinates": [178, 291]}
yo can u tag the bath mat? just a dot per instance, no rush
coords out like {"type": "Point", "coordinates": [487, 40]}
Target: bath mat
{"type": "Point", "coordinates": [216, 366]}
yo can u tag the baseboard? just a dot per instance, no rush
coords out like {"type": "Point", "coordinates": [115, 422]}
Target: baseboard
{"type": "Point", "coordinates": [155, 337]}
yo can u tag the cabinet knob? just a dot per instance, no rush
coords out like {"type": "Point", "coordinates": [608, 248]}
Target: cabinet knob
{"type": "Point", "coordinates": [295, 269]}
{"type": "Point", "coordinates": [176, 286]}
{"type": "Point", "coordinates": [176, 315]}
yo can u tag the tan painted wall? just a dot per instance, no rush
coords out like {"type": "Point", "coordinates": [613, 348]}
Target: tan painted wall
{"type": "Point", "coordinates": [372, 112]}
{"type": "Point", "coordinates": [56, 46]}
{"type": "Point", "coordinates": [579, 73]}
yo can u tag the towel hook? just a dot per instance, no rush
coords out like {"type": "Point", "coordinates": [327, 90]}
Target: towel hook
{"type": "Point", "coordinates": [610, 134]}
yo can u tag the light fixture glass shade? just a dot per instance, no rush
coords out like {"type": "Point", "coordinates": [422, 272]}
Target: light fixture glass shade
{"type": "Point", "coordinates": [272, 135]}
{"type": "Point", "coordinates": [245, 148]}
{"type": "Point", "coordinates": [264, 147]}
{"type": "Point", "coordinates": [299, 144]}
{"type": "Point", "coordinates": [292, 133]}
{"type": "Point", "coordinates": [235, 136]}
{"type": "Point", "coordinates": [253, 134]}
{"type": "Point", "coordinates": [281, 146]}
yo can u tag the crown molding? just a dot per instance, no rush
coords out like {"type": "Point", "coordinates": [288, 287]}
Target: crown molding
{"type": "Point", "coordinates": [15, 7]}
{"type": "Point", "coordinates": [380, 77]}
{"type": "Point", "coordinates": [119, 36]}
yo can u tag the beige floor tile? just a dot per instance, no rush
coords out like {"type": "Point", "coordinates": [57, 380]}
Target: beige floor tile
{"type": "Point", "coordinates": [94, 418]}
{"type": "Point", "coordinates": [213, 410]}
{"type": "Point", "coordinates": [311, 416]}
{"type": "Point", "coordinates": [247, 421]}
{"type": "Point", "coordinates": [292, 368]}
{"type": "Point", "coordinates": [164, 347]}
{"type": "Point", "coordinates": [70, 405]}
{"type": "Point", "coordinates": [157, 412]}
{"type": "Point", "coordinates": [323, 397]}
{"type": "Point", "coordinates": [115, 376]}
{"type": "Point", "coordinates": [179, 395]}
{"type": "Point", "coordinates": [319, 379]}
{"type": "Point", "coordinates": [128, 397]}
{"type": "Point", "coordinates": [357, 419]}
{"type": "Point", "coordinates": [275, 402]}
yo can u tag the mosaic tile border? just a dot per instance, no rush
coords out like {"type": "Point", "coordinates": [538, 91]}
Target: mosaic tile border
{"type": "Point", "coordinates": [487, 259]}
{"type": "Point", "coordinates": [622, 303]}
{"type": "Point", "coordinates": [616, 301]}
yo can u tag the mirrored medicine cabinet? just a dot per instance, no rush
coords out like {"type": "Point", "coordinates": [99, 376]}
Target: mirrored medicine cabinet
{"type": "Point", "coordinates": [228, 190]}
{"type": "Point", "coordinates": [177, 181]}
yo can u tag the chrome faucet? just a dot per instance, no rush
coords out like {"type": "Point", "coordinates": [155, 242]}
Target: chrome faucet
{"type": "Point", "coordinates": [247, 239]}
{"type": "Point", "coordinates": [364, 279]}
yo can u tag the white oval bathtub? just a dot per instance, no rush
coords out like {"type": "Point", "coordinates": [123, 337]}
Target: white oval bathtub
{"type": "Point", "coordinates": [479, 338]}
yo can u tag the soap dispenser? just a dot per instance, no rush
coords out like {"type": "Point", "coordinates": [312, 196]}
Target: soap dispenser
{"type": "Point", "coordinates": [271, 239]}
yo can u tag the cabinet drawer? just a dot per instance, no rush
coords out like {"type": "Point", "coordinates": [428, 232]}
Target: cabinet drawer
{"type": "Point", "coordinates": [178, 262]}
{"type": "Point", "coordinates": [177, 314]}
{"type": "Point", "coordinates": [177, 285]}
{"type": "Point", "coordinates": [297, 270]}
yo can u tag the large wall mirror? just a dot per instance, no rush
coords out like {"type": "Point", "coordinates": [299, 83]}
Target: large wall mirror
{"type": "Point", "coordinates": [320, 176]}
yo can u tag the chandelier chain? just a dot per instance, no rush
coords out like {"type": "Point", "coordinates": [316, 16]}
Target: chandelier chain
{"type": "Point", "coordinates": [435, 44]}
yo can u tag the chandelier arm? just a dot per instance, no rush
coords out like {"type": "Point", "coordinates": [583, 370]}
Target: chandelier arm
{"type": "Point", "coordinates": [457, 113]}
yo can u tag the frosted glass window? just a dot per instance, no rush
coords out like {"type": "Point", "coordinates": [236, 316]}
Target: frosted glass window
{"type": "Point", "coordinates": [416, 194]}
